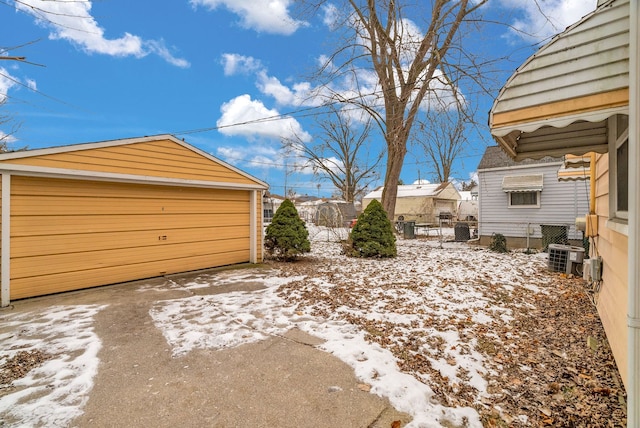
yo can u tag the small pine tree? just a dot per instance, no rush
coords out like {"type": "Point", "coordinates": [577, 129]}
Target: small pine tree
{"type": "Point", "coordinates": [498, 243]}
{"type": "Point", "coordinates": [287, 237]}
{"type": "Point", "coordinates": [372, 235]}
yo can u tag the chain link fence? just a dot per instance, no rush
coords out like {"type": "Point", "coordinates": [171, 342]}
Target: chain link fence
{"type": "Point", "coordinates": [532, 235]}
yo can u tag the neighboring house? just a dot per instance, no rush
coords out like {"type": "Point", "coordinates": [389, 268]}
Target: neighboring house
{"type": "Point", "coordinates": [527, 203]}
{"type": "Point", "coordinates": [270, 203]}
{"type": "Point", "coordinates": [579, 94]}
{"type": "Point", "coordinates": [422, 203]}
{"type": "Point", "coordinates": [335, 214]}
{"type": "Point", "coordinates": [86, 215]}
{"type": "Point", "coordinates": [307, 209]}
{"type": "Point", "coordinates": [468, 205]}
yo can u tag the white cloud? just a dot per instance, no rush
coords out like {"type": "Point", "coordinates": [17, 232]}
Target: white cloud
{"type": "Point", "coordinates": [158, 47]}
{"type": "Point", "coordinates": [330, 15]}
{"type": "Point", "coordinates": [256, 156]}
{"type": "Point", "coordinates": [543, 19]}
{"type": "Point", "coordinates": [72, 21]}
{"type": "Point", "coordinates": [31, 84]}
{"type": "Point", "coordinates": [363, 84]}
{"type": "Point", "coordinates": [240, 64]}
{"type": "Point", "coordinates": [259, 15]}
{"type": "Point", "coordinates": [265, 162]}
{"type": "Point", "coordinates": [298, 94]}
{"type": "Point", "coordinates": [7, 81]}
{"type": "Point", "coordinates": [243, 116]}
{"type": "Point", "coordinates": [8, 139]}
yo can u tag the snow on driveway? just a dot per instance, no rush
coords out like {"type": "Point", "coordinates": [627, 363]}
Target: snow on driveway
{"type": "Point", "coordinates": [53, 393]}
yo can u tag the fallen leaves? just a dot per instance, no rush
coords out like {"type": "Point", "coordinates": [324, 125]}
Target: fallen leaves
{"type": "Point", "coordinates": [531, 334]}
{"type": "Point", "coordinates": [20, 364]}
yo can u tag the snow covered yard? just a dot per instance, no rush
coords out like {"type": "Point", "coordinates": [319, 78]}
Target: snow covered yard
{"type": "Point", "coordinates": [498, 333]}
{"type": "Point", "coordinates": [452, 334]}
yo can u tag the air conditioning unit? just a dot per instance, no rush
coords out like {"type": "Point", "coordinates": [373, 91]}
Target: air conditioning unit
{"type": "Point", "coordinates": [566, 258]}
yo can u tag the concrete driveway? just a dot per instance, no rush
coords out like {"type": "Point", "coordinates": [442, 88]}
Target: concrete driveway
{"type": "Point", "coordinates": [283, 381]}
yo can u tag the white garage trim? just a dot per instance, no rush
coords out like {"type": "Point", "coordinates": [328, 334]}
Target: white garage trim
{"type": "Point", "coordinates": [31, 171]}
{"type": "Point", "coordinates": [253, 236]}
{"type": "Point", "coordinates": [5, 258]}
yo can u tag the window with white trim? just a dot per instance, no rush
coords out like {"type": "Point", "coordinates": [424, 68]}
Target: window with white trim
{"type": "Point", "coordinates": [524, 199]}
{"type": "Point", "coordinates": [523, 190]}
{"type": "Point", "coordinates": [619, 167]}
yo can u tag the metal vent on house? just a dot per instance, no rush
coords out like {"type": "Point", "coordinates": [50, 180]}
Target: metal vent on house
{"type": "Point", "coordinates": [565, 258]}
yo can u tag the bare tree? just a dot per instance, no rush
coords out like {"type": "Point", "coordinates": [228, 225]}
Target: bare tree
{"type": "Point", "coordinates": [10, 128]}
{"type": "Point", "coordinates": [412, 68]}
{"type": "Point", "coordinates": [468, 186]}
{"type": "Point", "coordinates": [337, 154]}
{"type": "Point", "coordinates": [441, 134]}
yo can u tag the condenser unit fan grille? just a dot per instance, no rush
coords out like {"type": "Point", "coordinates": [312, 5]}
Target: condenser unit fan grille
{"type": "Point", "coordinates": [558, 256]}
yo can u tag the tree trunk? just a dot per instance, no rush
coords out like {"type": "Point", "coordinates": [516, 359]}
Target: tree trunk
{"type": "Point", "coordinates": [395, 159]}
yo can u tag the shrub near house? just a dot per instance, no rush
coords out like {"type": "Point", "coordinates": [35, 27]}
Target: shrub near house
{"type": "Point", "coordinates": [287, 236]}
{"type": "Point", "coordinates": [372, 235]}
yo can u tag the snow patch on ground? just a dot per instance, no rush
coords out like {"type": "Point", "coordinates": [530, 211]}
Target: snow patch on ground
{"type": "Point", "coordinates": [54, 393]}
{"type": "Point", "coordinates": [224, 321]}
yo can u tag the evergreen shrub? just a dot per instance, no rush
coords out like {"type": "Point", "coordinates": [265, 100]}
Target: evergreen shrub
{"type": "Point", "coordinates": [287, 236]}
{"type": "Point", "coordinates": [372, 235]}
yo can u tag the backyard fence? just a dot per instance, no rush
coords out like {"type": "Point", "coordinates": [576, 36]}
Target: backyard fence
{"type": "Point", "coordinates": [533, 235]}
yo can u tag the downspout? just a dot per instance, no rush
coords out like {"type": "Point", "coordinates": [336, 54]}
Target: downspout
{"type": "Point", "coordinates": [633, 315]}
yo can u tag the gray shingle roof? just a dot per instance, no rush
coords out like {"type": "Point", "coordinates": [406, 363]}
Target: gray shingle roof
{"type": "Point", "coordinates": [495, 157]}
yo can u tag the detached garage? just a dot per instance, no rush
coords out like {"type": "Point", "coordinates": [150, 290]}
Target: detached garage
{"type": "Point", "coordinates": [93, 214]}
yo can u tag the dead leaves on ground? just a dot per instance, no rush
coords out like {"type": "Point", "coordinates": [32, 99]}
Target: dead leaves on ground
{"type": "Point", "coordinates": [544, 348]}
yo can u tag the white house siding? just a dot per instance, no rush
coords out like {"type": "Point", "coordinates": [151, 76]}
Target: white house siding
{"type": "Point", "coordinates": [560, 203]}
{"type": "Point", "coordinates": [592, 56]}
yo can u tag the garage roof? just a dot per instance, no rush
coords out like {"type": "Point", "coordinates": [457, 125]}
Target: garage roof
{"type": "Point", "coordinates": [558, 101]}
{"type": "Point", "coordinates": [161, 159]}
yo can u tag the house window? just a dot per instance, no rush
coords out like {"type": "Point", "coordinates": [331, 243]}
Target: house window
{"type": "Point", "coordinates": [523, 199]}
{"type": "Point", "coordinates": [622, 176]}
{"type": "Point", "coordinates": [523, 190]}
{"type": "Point", "coordinates": [619, 167]}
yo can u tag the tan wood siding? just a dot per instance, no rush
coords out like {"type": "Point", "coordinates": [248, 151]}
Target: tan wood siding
{"type": "Point", "coordinates": [612, 246]}
{"type": "Point", "coordinates": [160, 158]}
{"type": "Point", "coordinates": [71, 234]}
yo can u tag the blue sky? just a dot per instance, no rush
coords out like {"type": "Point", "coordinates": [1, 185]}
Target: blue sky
{"type": "Point", "coordinates": [196, 69]}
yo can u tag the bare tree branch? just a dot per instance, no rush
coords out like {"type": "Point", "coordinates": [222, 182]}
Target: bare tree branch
{"type": "Point", "coordinates": [337, 155]}
{"type": "Point", "coordinates": [413, 69]}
